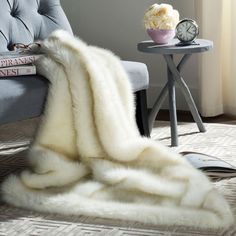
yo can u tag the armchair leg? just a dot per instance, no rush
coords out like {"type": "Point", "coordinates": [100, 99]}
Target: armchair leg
{"type": "Point", "coordinates": [142, 113]}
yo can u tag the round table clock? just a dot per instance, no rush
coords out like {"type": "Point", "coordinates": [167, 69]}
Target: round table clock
{"type": "Point", "coordinates": [187, 31]}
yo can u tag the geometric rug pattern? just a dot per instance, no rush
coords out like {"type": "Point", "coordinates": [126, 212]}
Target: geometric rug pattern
{"type": "Point", "coordinates": [219, 140]}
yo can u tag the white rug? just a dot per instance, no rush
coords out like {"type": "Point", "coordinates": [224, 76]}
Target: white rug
{"type": "Point", "coordinates": [219, 140]}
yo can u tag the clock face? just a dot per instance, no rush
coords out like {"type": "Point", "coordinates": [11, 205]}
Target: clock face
{"type": "Point", "coordinates": [187, 30]}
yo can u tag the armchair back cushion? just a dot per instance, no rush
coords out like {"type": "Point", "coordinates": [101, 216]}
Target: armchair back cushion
{"type": "Point", "coordinates": [23, 21]}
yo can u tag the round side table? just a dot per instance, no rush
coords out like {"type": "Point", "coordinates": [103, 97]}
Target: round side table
{"type": "Point", "coordinates": [174, 76]}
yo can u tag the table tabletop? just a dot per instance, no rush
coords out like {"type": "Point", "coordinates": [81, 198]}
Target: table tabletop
{"type": "Point", "coordinates": [149, 46]}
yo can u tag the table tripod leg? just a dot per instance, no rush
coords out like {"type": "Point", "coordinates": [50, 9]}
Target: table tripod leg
{"type": "Point", "coordinates": [172, 107]}
{"type": "Point", "coordinates": [185, 90]}
{"type": "Point", "coordinates": [156, 107]}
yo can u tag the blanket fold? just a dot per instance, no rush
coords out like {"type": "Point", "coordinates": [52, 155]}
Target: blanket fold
{"type": "Point", "coordinates": [89, 159]}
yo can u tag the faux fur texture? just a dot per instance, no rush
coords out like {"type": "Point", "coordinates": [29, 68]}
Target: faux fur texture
{"type": "Point", "coordinates": [88, 157]}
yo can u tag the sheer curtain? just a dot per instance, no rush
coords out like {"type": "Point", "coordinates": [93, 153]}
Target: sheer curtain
{"type": "Point", "coordinates": [217, 20]}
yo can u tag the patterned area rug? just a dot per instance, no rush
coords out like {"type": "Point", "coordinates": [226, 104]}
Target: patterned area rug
{"type": "Point", "coordinates": [219, 140]}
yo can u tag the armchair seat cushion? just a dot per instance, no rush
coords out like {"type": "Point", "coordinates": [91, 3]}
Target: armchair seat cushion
{"type": "Point", "coordinates": [23, 97]}
{"type": "Point", "coordinates": [138, 74]}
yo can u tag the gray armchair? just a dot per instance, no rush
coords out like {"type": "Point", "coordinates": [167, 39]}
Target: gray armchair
{"type": "Point", "coordinates": [23, 21]}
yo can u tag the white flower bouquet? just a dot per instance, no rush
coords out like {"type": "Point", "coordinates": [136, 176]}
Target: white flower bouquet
{"type": "Point", "coordinates": [161, 16]}
{"type": "Point", "coordinates": [160, 20]}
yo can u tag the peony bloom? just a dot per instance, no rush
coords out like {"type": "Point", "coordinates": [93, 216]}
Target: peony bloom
{"type": "Point", "coordinates": [161, 16]}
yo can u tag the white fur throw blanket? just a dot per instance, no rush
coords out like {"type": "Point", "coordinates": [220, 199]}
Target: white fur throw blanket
{"type": "Point", "coordinates": [89, 159]}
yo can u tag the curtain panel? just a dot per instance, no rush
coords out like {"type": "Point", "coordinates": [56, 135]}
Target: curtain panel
{"type": "Point", "coordinates": [217, 68]}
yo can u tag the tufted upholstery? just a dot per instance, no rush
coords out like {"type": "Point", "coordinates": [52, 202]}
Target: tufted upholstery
{"type": "Point", "coordinates": [24, 21]}
{"type": "Point", "coordinates": [27, 20]}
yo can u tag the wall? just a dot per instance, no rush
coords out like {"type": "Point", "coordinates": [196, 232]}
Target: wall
{"type": "Point", "coordinates": [117, 25]}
